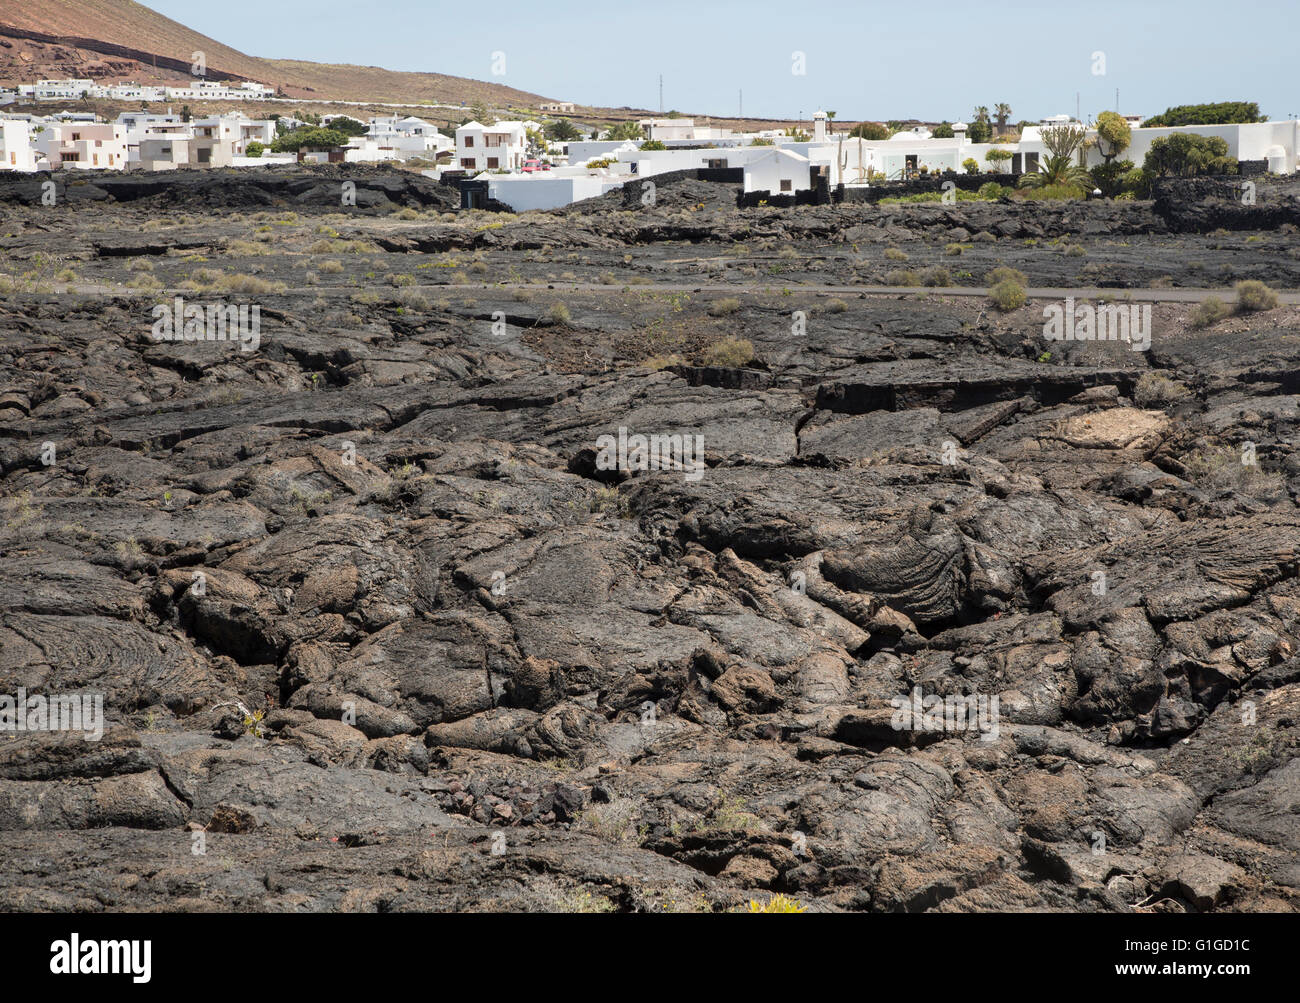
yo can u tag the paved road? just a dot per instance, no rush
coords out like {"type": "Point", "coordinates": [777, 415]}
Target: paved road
{"type": "Point", "coordinates": [1033, 292]}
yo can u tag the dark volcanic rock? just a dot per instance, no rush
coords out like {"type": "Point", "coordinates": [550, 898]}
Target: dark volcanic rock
{"type": "Point", "coordinates": [886, 603]}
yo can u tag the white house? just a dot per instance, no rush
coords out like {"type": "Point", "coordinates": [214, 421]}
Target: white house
{"type": "Point", "coordinates": [500, 147]}
{"type": "Point", "coordinates": [551, 189]}
{"type": "Point", "coordinates": [16, 153]}
{"type": "Point", "coordinates": [60, 90]}
{"type": "Point", "coordinates": [401, 139]}
{"type": "Point", "coordinates": [83, 146]}
{"type": "Point", "coordinates": [162, 152]}
{"type": "Point", "coordinates": [1276, 143]}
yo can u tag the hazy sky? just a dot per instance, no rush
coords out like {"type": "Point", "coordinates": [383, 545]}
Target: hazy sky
{"type": "Point", "coordinates": [929, 59]}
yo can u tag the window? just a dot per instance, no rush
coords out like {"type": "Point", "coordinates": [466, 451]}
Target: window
{"type": "Point", "coordinates": [493, 162]}
{"type": "Point", "coordinates": [786, 184]}
{"type": "Point", "coordinates": [469, 142]}
{"type": "Point", "coordinates": [95, 159]}
{"type": "Point", "coordinates": [467, 162]}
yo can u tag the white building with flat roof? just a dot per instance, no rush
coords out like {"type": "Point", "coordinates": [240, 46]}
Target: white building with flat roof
{"type": "Point", "coordinates": [16, 153]}
{"type": "Point", "coordinates": [62, 90]}
{"type": "Point", "coordinates": [82, 146]}
{"type": "Point", "coordinates": [500, 147]}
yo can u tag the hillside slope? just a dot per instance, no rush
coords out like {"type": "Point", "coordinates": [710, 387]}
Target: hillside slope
{"type": "Point", "coordinates": [121, 38]}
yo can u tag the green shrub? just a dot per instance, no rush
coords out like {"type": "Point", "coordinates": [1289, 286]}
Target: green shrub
{"type": "Point", "coordinates": [250, 285]}
{"type": "Point", "coordinates": [1253, 295]}
{"type": "Point", "coordinates": [1004, 274]}
{"type": "Point", "coordinates": [559, 313]}
{"type": "Point", "coordinates": [1109, 177]}
{"type": "Point", "coordinates": [970, 165]}
{"type": "Point", "coordinates": [246, 248]}
{"type": "Point", "coordinates": [1209, 312]}
{"type": "Point", "coordinates": [1157, 390]}
{"type": "Point", "coordinates": [1188, 155]}
{"type": "Point", "coordinates": [901, 277]}
{"type": "Point", "coordinates": [894, 254]}
{"type": "Point", "coordinates": [729, 353]}
{"type": "Point", "coordinates": [936, 276]}
{"type": "Point", "coordinates": [1007, 296]}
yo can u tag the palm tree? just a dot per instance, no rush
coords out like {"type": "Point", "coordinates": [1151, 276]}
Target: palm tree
{"type": "Point", "coordinates": [981, 113]}
{"type": "Point", "coordinates": [1062, 142]}
{"type": "Point", "coordinates": [1002, 111]}
{"type": "Point", "coordinates": [1057, 171]}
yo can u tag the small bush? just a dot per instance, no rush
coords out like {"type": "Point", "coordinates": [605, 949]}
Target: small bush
{"type": "Point", "coordinates": [1209, 312]}
{"type": "Point", "coordinates": [778, 903]}
{"type": "Point", "coordinates": [729, 353]}
{"type": "Point", "coordinates": [330, 267]}
{"type": "Point", "coordinates": [246, 248]}
{"type": "Point", "coordinates": [836, 306]}
{"type": "Point", "coordinates": [1157, 390]}
{"type": "Point", "coordinates": [722, 307]}
{"type": "Point", "coordinates": [413, 299]}
{"type": "Point", "coordinates": [559, 313]}
{"type": "Point", "coordinates": [936, 276]}
{"type": "Point", "coordinates": [145, 281]}
{"type": "Point", "coordinates": [1253, 295]}
{"type": "Point", "coordinates": [1075, 251]}
{"type": "Point", "coordinates": [1004, 274]}
{"type": "Point", "coordinates": [954, 250]}
{"type": "Point", "coordinates": [338, 247]}
{"type": "Point", "coordinates": [1007, 296]}
{"type": "Point", "coordinates": [901, 277]}
{"type": "Point", "coordinates": [894, 254]}
{"type": "Point", "coordinates": [250, 285]}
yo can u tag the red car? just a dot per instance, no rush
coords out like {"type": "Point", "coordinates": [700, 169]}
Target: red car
{"type": "Point", "coordinates": [533, 166]}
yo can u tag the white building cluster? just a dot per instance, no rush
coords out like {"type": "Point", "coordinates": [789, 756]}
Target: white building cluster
{"type": "Point", "coordinates": [198, 90]}
{"type": "Point", "coordinates": [134, 141]}
{"type": "Point", "coordinates": [782, 165]}
{"type": "Point", "coordinates": [159, 142]}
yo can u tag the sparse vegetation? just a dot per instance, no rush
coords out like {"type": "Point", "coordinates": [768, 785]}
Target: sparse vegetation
{"type": "Point", "coordinates": [729, 353]}
{"type": "Point", "coordinates": [1253, 296]}
{"type": "Point", "coordinates": [1209, 312]}
{"type": "Point", "coordinates": [1007, 295]}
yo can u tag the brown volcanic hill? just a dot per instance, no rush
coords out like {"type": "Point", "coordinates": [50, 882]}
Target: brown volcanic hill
{"type": "Point", "coordinates": [120, 38]}
{"type": "Point", "coordinates": [345, 82]}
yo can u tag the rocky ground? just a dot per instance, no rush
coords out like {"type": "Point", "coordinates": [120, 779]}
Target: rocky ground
{"type": "Point", "coordinates": [375, 629]}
